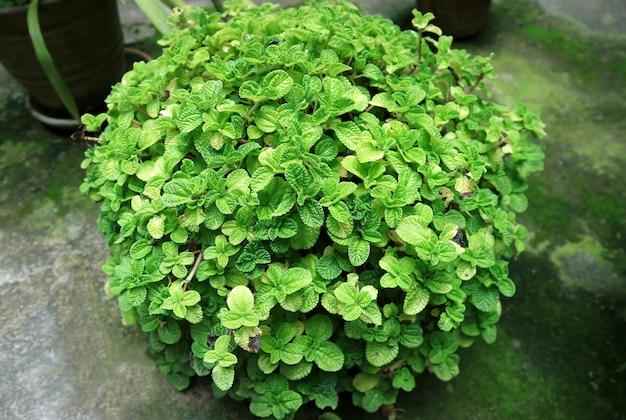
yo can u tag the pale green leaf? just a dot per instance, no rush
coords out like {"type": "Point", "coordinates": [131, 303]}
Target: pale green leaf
{"type": "Point", "coordinates": [415, 300]}
{"type": "Point", "coordinates": [156, 226]}
{"type": "Point", "coordinates": [223, 377]}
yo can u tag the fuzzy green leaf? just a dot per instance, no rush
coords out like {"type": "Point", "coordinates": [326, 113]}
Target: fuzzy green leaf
{"type": "Point", "coordinates": [358, 251]}
{"type": "Point", "coordinates": [415, 300]}
{"type": "Point", "coordinates": [448, 369]}
{"type": "Point", "coordinates": [276, 84]}
{"type": "Point", "coordinates": [329, 357]}
{"type": "Point", "coordinates": [223, 377]}
{"type": "Point", "coordinates": [413, 230]}
{"type": "Point", "coordinates": [156, 226]}
{"type": "Point", "coordinates": [380, 354]}
{"type": "Point", "coordinates": [240, 311]}
{"type": "Point", "coordinates": [485, 299]}
{"type": "Point", "coordinates": [328, 267]}
{"type": "Point", "coordinates": [140, 249]}
{"type": "Point", "coordinates": [312, 213]}
{"type": "Point", "coordinates": [252, 255]}
{"type": "Point", "coordinates": [364, 382]}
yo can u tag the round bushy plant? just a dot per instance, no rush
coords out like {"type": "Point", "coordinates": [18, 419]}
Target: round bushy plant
{"type": "Point", "coordinates": [301, 202]}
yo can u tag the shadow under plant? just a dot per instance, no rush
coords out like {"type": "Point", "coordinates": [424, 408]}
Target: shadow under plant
{"type": "Point", "coordinates": [560, 351]}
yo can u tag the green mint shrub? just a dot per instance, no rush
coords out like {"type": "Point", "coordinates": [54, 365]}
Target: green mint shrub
{"type": "Point", "coordinates": [307, 201]}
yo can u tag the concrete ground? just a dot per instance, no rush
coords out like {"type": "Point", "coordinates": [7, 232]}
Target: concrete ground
{"type": "Point", "coordinates": [561, 350]}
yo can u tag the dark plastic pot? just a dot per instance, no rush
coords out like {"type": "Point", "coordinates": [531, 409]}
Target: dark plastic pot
{"type": "Point", "coordinates": [459, 18]}
{"type": "Point", "coordinates": [85, 40]}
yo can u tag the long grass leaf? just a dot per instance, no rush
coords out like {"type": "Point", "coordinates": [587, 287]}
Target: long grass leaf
{"type": "Point", "coordinates": [45, 59]}
{"type": "Point", "coordinates": [157, 13]}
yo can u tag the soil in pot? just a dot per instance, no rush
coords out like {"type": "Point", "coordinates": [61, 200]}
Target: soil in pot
{"type": "Point", "coordinates": [459, 18]}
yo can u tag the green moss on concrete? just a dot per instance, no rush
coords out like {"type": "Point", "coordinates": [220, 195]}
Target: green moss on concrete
{"type": "Point", "coordinates": [40, 178]}
{"type": "Point", "coordinates": [556, 41]}
{"type": "Point", "coordinates": [578, 262]}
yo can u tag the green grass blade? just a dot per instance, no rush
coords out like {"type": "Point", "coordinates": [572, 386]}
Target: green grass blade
{"type": "Point", "coordinates": [174, 3]}
{"type": "Point", "coordinates": [45, 59]}
{"type": "Point", "coordinates": [157, 13]}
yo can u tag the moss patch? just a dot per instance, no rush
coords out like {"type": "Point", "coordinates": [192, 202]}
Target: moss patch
{"type": "Point", "coordinates": [580, 262]}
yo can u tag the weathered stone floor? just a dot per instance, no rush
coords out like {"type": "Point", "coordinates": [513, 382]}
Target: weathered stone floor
{"type": "Point", "coordinates": [561, 350]}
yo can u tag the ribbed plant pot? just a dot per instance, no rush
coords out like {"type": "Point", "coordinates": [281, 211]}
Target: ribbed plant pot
{"type": "Point", "coordinates": [85, 40]}
{"type": "Point", "coordinates": [459, 18]}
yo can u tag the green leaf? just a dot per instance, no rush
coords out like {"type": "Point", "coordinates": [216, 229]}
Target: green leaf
{"type": "Point", "coordinates": [156, 226]}
{"type": "Point", "coordinates": [136, 296]}
{"type": "Point", "coordinates": [240, 299]}
{"type": "Point", "coordinates": [252, 255]}
{"type": "Point", "coordinates": [358, 251]}
{"type": "Point", "coordinates": [194, 314]}
{"type": "Point", "coordinates": [348, 133]}
{"type": "Point", "coordinates": [346, 293]}
{"type": "Point", "coordinates": [277, 404]}
{"type": "Point", "coordinates": [506, 287]}
{"type": "Point", "coordinates": [140, 249]}
{"type": "Point", "coordinates": [413, 230]}
{"type": "Point", "coordinates": [364, 382]}
{"type": "Point", "coordinates": [296, 372]}
{"type": "Point", "coordinates": [189, 118]}
{"type": "Point", "coordinates": [328, 268]}
{"type": "Point", "coordinates": [319, 327]}
{"type": "Point", "coordinates": [415, 301]}
{"type": "Point", "coordinates": [170, 333]}
{"type": "Point", "coordinates": [296, 278]}
{"type": "Point", "coordinates": [393, 217]}
{"type": "Point", "coordinates": [261, 178]}
{"type": "Point", "coordinates": [443, 345]}
{"type": "Point", "coordinates": [368, 152]}
{"type": "Point", "coordinates": [485, 299]}
{"type": "Point", "coordinates": [340, 230]}
{"type": "Point", "coordinates": [312, 213]}
{"type": "Point", "coordinates": [404, 379]}
{"type": "Point", "coordinates": [411, 336]}
{"type": "Point", "coordinates": [380, 354]}
{"type": "Point", "coordinates": [276, 84]}
{"type": "Point", "coordinates": [372, 314]}
{"type": "Point", "coordinates": [329, 357]}
{"type": "Point", "coordinates": [240, 311]}
{"type": "Point", "coordinates": [340, 212]}
{"type": "Point", "coordinates": [223, 377]}
{"type": "Point", "coordinates": [448, 369]}
{"type": "Point", "coordinates": [177, 192]}
{"type": "Point", "coordinates": [190, 298]}
{"type": "Point", "coordinates": [465, 270]}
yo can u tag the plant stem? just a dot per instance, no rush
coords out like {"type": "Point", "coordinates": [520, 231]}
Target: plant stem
{"type": "Point", "coordinates": [475, 85]}
{"type": "Point", "coordinates": [193, 271]}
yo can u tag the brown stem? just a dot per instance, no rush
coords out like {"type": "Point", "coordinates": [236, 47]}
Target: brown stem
{"type": "Point", "coordinates": [456, 76]}
{"type": "Point", "coordinates": [475, 85]}
{"type": "Point", "coordinates": [193, 271]}
{"type": "Point", "coordinates": [502, 142]}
